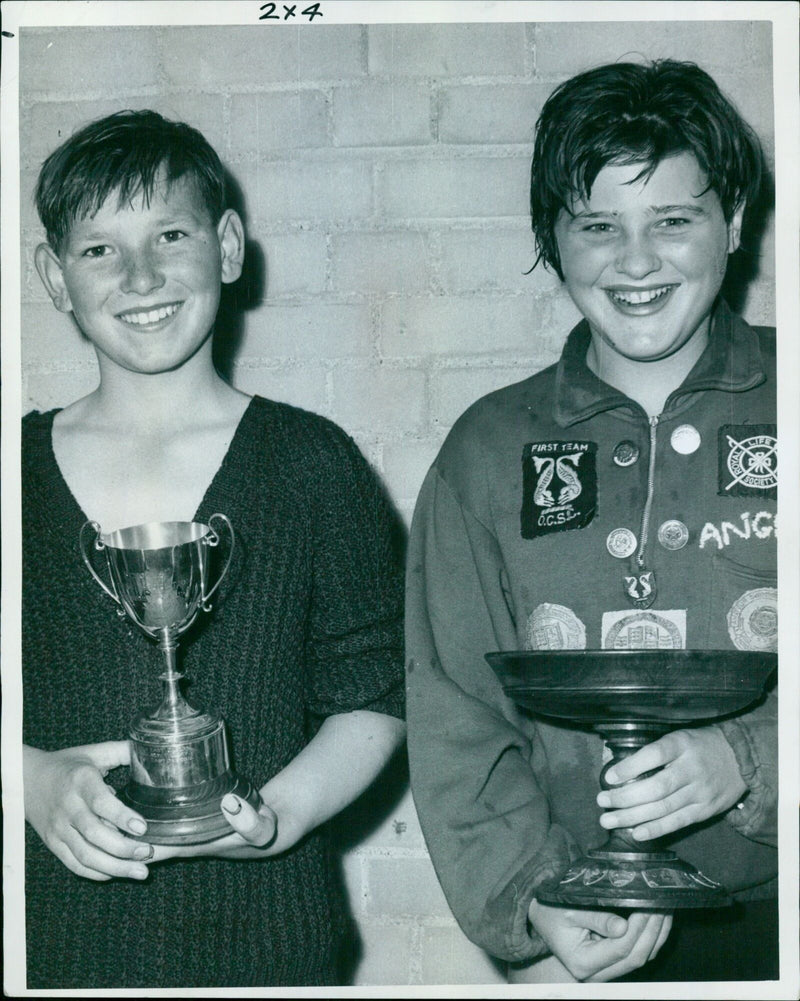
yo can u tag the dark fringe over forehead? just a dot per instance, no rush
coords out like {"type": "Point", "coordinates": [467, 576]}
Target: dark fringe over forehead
{"type": "Point", "coordinates": [124, 153]}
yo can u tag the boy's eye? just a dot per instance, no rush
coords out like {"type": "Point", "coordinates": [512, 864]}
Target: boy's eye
{"type": "Point", "coordinates": [99, 251]}
{"type": "Point", "coordinates": [172, 236]}
{"type": "Point", "coordinates": [673, 222]}
{"type": "Point", "coordinates": [598, 227]}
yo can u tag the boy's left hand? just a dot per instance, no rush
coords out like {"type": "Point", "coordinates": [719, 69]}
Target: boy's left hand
{"type": "Point", "coordinates": [697, 777]}
{"type": "Point", "coordinates": [253, 833]}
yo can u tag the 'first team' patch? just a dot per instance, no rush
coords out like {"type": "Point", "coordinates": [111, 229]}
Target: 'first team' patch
{"type": "Point", "coordinates": [559, 486]}
{"type": "Point", "coordinates": [748, 460]}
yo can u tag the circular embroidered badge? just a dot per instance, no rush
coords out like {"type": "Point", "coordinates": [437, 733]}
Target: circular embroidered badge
{"type": "Point", "coordinates": [753, 620]}
{"type": "Point", "coordinates": [554, 627]}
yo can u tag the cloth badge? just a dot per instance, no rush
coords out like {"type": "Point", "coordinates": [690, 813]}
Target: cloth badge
{"type": "Point", "coordinates": [753, 620]}
{"type": "Point", "coordinates": [748, 460]}
{"type": "Point", "coordinates": [644, 630]}
{"type": "Point", "coordinates": [554, 627]}
{"type": "Point", "coordinates": [559, 486]}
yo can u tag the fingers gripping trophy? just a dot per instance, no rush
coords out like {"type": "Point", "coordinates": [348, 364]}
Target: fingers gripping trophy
{"type": "Point", "coordinates": [180, 766]}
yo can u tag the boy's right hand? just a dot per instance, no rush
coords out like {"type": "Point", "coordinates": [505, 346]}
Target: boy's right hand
{"type": "Point", "coordinates": [78, 816]}
{"type": "Point", "coordinates": [598, 946]}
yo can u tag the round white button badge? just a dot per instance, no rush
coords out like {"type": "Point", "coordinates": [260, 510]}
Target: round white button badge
{"type": "Point", "coordinates": [626, 453]}
{"type": "Point", "coordinates": [685, 439]}
{"type": "Point", "coordinates": [621, 543]}
{"type": "Point", "coordinates": [673, 534]}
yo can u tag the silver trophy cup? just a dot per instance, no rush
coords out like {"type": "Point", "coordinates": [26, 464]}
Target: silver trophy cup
{"type": "Point", "coordinates": [180, 767]}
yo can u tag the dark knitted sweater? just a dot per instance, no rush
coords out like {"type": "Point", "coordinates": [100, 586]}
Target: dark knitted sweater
{"type": "Point", "coordinates": [308, 623]}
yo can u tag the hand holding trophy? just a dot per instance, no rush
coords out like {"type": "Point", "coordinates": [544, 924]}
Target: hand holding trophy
{"type": "Point", "coordinates": [180, 767]}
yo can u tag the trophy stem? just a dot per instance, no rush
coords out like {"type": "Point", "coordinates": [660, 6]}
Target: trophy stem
{"type": "Point", "coordinates": [173, 705]}
{"type": "Point", "coordinates": [627, 873]}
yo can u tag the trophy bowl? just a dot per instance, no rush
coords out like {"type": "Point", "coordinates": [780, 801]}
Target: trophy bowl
{"type": "Point", "coordinates": [631, 697]}
{"type": "Point", "coordinates": [180, 767]}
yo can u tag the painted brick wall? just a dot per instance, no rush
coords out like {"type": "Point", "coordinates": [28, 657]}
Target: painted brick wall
{"type": "Point", "coordinates": [384, 174]}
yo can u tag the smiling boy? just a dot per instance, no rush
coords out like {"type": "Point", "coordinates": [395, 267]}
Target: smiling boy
{"type": "Point", "coordinates": [304, 653]}
{"type": "Point", "coordinates": [641, 437]}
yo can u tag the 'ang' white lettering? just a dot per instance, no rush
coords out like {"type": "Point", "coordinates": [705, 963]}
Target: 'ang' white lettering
{"type": "Point", "coordinates": [757, 526]}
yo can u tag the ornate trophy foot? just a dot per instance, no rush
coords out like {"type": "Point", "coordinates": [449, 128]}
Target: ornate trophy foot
{"type": "Point", "coordinates": [641, 880]}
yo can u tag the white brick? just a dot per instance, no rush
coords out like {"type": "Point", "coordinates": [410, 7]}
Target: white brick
{"type": "Point", "coordinates": [309, 330]}
{"type": "Point", "coordinates": [51, 123]}
{"type": "Point", "coordinates": [460, 186]}
{"type": "Point", "coordinates": [386, 955]}
{"type": "Point", "coordinates": [299, 189]}
{"type": "Point", "coordinates": [52, 339]}
{"type": "Point", "coordinates": [447, 49]}
{"type": "Point", "coordinates": [469, 326]}
{"type": "Point", "coordinates": [448, 957]}
{"type": "Point", "coordinates": [563, 49]}
{"type": "Point", "coordinates": [406, 464]}
{"type": "Point", "coordinates": [296, 263]}
{"type": "Point", "coordinates": [259, 54]}
{"type": "Point", "coordinates": [381, 262]}
{"type": "Point", "coordinates": [488, 260]}
{"type": "Point", "coordinates": [503, 113]}
{"type": "Point", "coordinates": [759, 307]}
{"type": "Point", "coordinates": [453, 390]}
{"type": "Point", "coordinates": [331, 52]}
{"type": "Point", "coordinates": [404, 887]}
{"type": "Point", "coordinates": [302, 387]}
{"type": "Point", "coordinates": [379, 399]}
{"type": "Point", "coordinates": [382, 114]}
{"type": "Point", "coordinates": [46, 390]}
{"type": "Point", "coordinates": [87, 60]}
{"type": "Point", "coordinates": [264, 122]}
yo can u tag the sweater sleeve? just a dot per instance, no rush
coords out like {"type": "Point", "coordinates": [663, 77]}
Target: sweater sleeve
{"type": "Point", "coordinates": [355, 640]}
{"type": "Point", "coordinates": [479, 781]}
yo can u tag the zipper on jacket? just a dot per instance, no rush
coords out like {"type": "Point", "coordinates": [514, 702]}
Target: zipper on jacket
{"type": "Point", "coordinates": [651, 476]}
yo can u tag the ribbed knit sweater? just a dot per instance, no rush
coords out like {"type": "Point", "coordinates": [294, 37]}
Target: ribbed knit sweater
{"type": "Point", "coordinates": [307, 623]}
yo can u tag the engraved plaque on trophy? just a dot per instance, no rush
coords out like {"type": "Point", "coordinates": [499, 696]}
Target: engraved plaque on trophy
{"type": "Point", "coordinates": [180, 767]}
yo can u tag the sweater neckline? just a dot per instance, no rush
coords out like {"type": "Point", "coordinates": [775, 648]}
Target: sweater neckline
{"type": "Point", "coordinates": [74, 515]}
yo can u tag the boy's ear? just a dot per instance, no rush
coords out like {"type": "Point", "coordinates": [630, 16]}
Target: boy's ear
{"type": "Point", "coordinates": [230, 231]}
{"type": "Point", "coordinates": [49, 268]}
{"type": "Point", "coordinates": [735, 228]}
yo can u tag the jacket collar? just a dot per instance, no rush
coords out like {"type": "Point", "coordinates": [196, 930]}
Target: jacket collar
{"type": "Point", "coordinates": [731, 362]}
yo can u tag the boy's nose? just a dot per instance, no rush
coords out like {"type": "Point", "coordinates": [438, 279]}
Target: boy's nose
{"type": "Point", "coordinates": [141, 273]}
{"type": "Point", "coordinates": [637, 257]}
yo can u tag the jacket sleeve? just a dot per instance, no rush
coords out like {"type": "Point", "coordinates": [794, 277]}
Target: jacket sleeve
{"type": "Point", "coordinates": [483, 811]}
{"type": "Point", "coordinates": [753, 737]}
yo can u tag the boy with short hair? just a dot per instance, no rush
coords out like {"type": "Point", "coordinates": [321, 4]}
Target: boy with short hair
{"type": "Point", "coordinates": [303, 653]}
{"type": "Point", "coordinates": [643, 516]}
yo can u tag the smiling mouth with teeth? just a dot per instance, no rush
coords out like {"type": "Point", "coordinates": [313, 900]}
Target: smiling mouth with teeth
{"type": "Point", "coordinates": [150, 316]}
{"type": "Point", "coordinates": [639, 298]}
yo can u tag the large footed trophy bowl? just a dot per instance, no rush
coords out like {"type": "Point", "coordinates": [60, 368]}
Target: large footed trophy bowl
{"type": "Point", "coordinates": [180, 766]}
{"type": "Point", "coordinates": [632, 697]}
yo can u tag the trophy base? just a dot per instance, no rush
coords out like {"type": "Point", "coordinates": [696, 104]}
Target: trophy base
{"type": "Point", "coordinates": [180, 770]}
{"type": "Point", "coordinates": [641, 880]}
{"type": "Point", "coordinates": [189, 816]}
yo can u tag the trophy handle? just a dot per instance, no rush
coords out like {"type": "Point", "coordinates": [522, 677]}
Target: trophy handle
{"type": "Point", "coordinates": [213, 540]}
{"type": "Point", "coordinates": [99, 546]}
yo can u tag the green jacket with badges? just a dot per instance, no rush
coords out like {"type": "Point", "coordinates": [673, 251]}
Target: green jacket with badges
{"type": "Point", "coordinates": [614, 530]}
